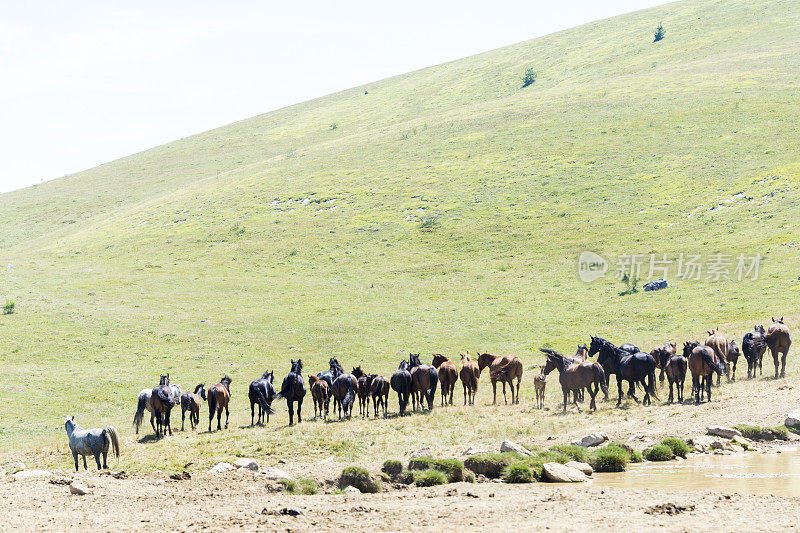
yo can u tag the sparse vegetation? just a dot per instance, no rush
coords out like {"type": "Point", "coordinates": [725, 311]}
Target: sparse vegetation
{"type": "Point", "coordinates": [392, 468]}
{"type": "Point", "coordinates": [609, 459]}
{"type": "Point", "coordinates": [9, 307]}
{"type": "Point", "coordinates": [631, 285]}
{"type": "Point", "coordinates": [452, 468]}
{"type": "Point", "coordinates": [334, 126]}
{"type": "Point", "coordinates": [429, 222]}
{"type": "Point", "coordinates": [490, 465]}
{"type": "Point", "coordinates": [575, 453]}
{"type": "Point", "coordinates": [301, 485]}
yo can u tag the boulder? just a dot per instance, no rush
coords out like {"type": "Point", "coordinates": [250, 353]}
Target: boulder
{"type": "Point", "coordinates": [474, 451]}
{"type": "Point", "coordinates": [583, 467]}
{"type": "Point", "coordinates": [511, 446]}
{"type": "Point", "coordinates": [78, 488]}
{"type": "Point", "coordinates": [276, 474]}
{"type": "Point", "coordinates": [558, 473]}
{"type": "Point", "coordinates": [220, 467]}
{"type": "Point", "coordinates": [243, 462]}
{"type": "Point", "coordinates": [350, 490]}
{"type": "Point", "coordinates": [592, 439]}
{"type": "Point", "coordinates": [655, 285]}
{"type": "Point", "coordinates": [422, 452]}
{"type": "Point", "coordinates": [32, 473]}
{"type": "Point", "coordinates": [722, 431]}
{"type": "Point", "coordinates": [793, 418]}
{"type": "Point", "coordinates": [706, 443]}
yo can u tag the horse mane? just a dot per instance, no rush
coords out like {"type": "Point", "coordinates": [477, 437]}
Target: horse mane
{"type": "Point", "coordinates": [226, 381]}
{"type": "Point", "coordinates": [199, 387]}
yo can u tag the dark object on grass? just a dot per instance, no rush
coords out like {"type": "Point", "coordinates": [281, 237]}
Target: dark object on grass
{"type": "Point", "coordinates": [655, 285]}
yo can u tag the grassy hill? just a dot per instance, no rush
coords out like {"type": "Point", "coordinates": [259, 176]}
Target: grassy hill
{"type": "Point", "coordinates": [445, 212]}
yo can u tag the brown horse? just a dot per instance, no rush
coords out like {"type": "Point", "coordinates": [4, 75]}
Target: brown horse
{"type": "Point", "coordinates": [190, 401]}
{"type": "Point", "coordinates": [575, 376]}
{"type": "Point", "coordinates": [163, 401]}
{"type": "Point", "coordinates": [319, 395]}
{"type": "Point", "coordinates": [754, 344]}
{"type": "Point", "coordinates": [662, 355]}
{"type": "Point", "coordinates": [363, 388]}
{"type": "Point", "coordinates": [539, 384]}
{"type": "Point", "coordinates": [469, 373]}
{"type": "Point", "coordinates": [448, 375]}
{"type": "Point", "coordinates": [503, 369]}
{"type": "Point", "coordinates": [778, 341]}
{"type": "Point", "coordinates": [702, 362]}
{"type": "Point", "coordinates": [675, 369]}
{"type": "Point", "coordinates": [379, 390]}
{"type": "Point", "coordinates": [719, 344]}
{"type": "Point", "coordinates": [218, 398]}
{"type": "Point", "coordinates": [423, 382]}
{"type": "Point", "coordinates": [344, 394]}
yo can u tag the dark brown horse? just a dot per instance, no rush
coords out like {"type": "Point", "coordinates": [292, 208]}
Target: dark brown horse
{"type": "Point", "coordinates": [344, 394]}
{"type": "Point", "coordinates": [448, 375]}
{"type": "Point", "coordinates": [661, 354]}
{"type": "Point", "coordinates": [163, 402]}
{"type": "Point", "coordinates": [754, 344]}
{"type": "Point", "coordinates": [702, 362]}
{"type": "Point", "coordinates": [574, 377]}
{"type": "Point", "coordinates": [319, 395]}
{"type": "Point", "coordinates": [717, 342]}
{"type": "Point", "coordinates": [363, 388]}
{"type": "Point", "coordinates": [503, 369]}
{"type": "Point", "coordinates": [379, 390]}
{"type": "Point", "coordinates": [293, 389]}
{"type": "Point", "coordinates": [733, 357]}
{"type": "Point", "coordinates": [401, 384]}
{"type": "Point", "coordinates": [190, 401]}
{"type": "Point", "coordinates": [674, 366]}
{"type": "Point", "coordinates": [423, 382]}
{"type": "Point", "coordinates": [778, 341]}
{"type": "Point", "coordinates": [468, 373]}
{"type": "Point", "coordinates": [218, 398]}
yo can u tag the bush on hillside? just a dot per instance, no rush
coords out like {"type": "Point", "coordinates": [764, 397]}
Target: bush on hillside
{"type": "Point", "coordinates": [528, 78]}
{"type": "Point", "coordinates": [392, 468]}
{"type": "Point", "coordinates": [575, 453]}
{"type": "Point", "coordinates": [679, 447]}
{"type": "Point", "coordinates": [659, 34]}
{"type": "Point", "coordinates": [303, 485]}
{"type": "Point", "coordinates": [8, 308]}
{"type": "Point", "coordinates": [609, 459]}
{"type": "Point", "coordinates": [490, 465]}
{"type": "Point", "coordinates": [659, 452]}
{"type": "Point", "coordinates": [358, 477]}
{"type": "Point", "coordinates": [429, 478]}
{"type": "Point", "coordinates": [453, 468]}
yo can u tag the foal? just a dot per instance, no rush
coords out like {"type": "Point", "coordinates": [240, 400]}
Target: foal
{"type": "Point", "coordinates": [190, 401]}
{"type": "Point", "coordinates": [319, 395]}
{"type": "Point", "coordinates": [539, 383]}
{"type": "Point", "coordinates": [469, 373]}
{"type": "Point", "coordinates": [446, 371]}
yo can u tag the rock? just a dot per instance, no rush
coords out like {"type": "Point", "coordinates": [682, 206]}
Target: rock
{"type": "Point", "coordinates": [288, 510]}
{"type": "Point", "coordinates": [12, 468]}
{"type": "Point", "coordinates": [276, 474]}
{"type": "Point", "coordinates": [583, 467]}
{"type": "Point", "coordinates": [78, 488]}
{"type": "Point", "coordinates": [32, 473]}
{"type": "Point", "coordinates": [511, 446]}
{"type": "Point", "coordinates": [558, 473]}
{"type": "Point", "coordinates": [249, 464]}
{"type": "Point", "coordinates": [350, 490]}
{"type": "Point", "coordinates": [592, 439]}
{"type": "Point", "coordinates": [706, 443]}
{"type": "Point", "coordinates": [793, 418]}
{"type": "Point", "coordinates": [220, 467]}
{"type": "Point", "coordinates": [474, 451]}
{"type": "Point", "coordinates": [422, 452]}
{"type": "Point", "coordinates": [655, 285]}
{"type": "Point", "coordinates": [722, 431]}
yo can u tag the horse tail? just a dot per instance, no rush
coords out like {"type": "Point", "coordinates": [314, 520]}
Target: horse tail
{"type": "Point", "coordinates": [432, 391]}
{"type": "Point", "coordinates": [212, 403]}
{"type": "Point", "coordinates": [141, 405]}
{"type": "Point", "coordinates": [349, 396]}
{"type": "Point", "coordinates": [651, 383]}
{"type": "Point", "coordinates": [113, 436]}
{"type": "Point", "coordinates": [286, 388]}
{"type": "Point", "coordinates": [261, 396]}
{"type": "Point", "coordinates": [600, 374]}
{"type": "Point", "coordinates": [716, 366]}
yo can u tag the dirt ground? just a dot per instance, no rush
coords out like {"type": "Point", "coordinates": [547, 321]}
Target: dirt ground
{"type": "Point", "coordinates": [241, 500]}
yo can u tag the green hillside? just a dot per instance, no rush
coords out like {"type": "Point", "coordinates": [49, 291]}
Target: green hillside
{"type": "Point", "coordinates": [445, 212]}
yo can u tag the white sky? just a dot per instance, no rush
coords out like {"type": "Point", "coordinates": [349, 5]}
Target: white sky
{"type": "Point", "coordinates": [91, 81]}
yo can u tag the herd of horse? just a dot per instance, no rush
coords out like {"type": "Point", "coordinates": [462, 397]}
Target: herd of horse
{"type": "Point", "coordinates": [417, 381]}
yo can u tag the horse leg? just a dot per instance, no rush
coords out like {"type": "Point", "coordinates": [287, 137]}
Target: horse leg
{"type": "Point", "coordinates": [253, 412]}
{"type": "Point", "coordinates": [733, 373]}
{"type": "Point", "coordinates": [566, 399]}
{"type": "Point", "coordinates": [593, 393]}
{"type": "Point", "coordinates": [783, 362]}
{"type": "Point", "coordinates": [183, 417]}
{"type": "Point", "coordinates": [84, 463]}
{"type": "Point", "coordinates": [299, 409]}
{"type": "Point", "coordinates": [619, 390]}
{"type": "Point", "coordinates": [105, 457]}
{"type": "Point", "coordinates": [494, 388]}
{"type": "Point", "coordinates": [505, 399]}
{"type": "Point", "coordinates": [227, 414]}
{"type": "Point", "coordinates": [632, 391]}
{"type": "Point", "coordinates": [97, 460]}
{"type": "Point", "coordinates": [75, 456]}
{"type": "Point", "coordinates": [152, 416]}
{"type": "Point", "coordinates": [219, 418]}
{"type": "Point", "coordinates": [669, 400]}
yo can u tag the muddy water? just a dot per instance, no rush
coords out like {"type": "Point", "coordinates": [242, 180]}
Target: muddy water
{"type": "Point", "coordinates": [769, 473]}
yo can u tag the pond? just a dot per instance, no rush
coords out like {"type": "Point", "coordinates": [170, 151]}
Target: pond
{"type": "Point", "coordinates": [769, 473]}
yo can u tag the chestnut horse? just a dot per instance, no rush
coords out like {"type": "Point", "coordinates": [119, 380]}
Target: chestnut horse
{"type": "Point", "coordinates": [754, 344]}
{"type": "Point", "coordinates": [379, 390]}
{"type": "Point", "coordinates": [503, 369]}
{"type": "Point", "coordinates": [319, 395]}
{"type": "Point", "coordinates": [661, 354]}
{"type": "Point", "coordinates": [190, 401]}
{"type": "Point", "coordinates": [717, 342]}
{"type": "Point", "coordinates": [218, 398]}
{"type": "Point", "coordinates": [163, 401]}
{"type": "Point", "coordinates": [469, 373]}
{"type": "Point", "coordinates": [702, 362]}
{"type": "Point", "coordinates": [423, 382]}
{"type": "Point", "coordinates": [778, 341]}
{"type": "Point", "coordinates": [674, 367]}
{"type": "Point", "coordinates": [448, 375]}
{"type": "Point", "coordinates": [539, 384]}
{"type": "Point", "coordinates": [573, 377]}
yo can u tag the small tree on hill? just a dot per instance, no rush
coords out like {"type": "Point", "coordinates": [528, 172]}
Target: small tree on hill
{"type": "Point", "coordinates": [660, 33]}
{"type": "Point", "coordinates": [528, 78]}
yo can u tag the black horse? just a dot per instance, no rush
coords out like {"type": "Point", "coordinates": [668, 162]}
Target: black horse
{"type": "Point", "coordinates": [754, 344]}
{"type": "Point", "coordinates": [261, 393]}
{"type": "Point", "coordinates": [633, 368]}
{"type": "Point", "coordinates": [293, 389]}
{"type": "Point", "coordinates": [401, 384]}
{"type": "Point", "coordinates": [330, 376]}
{"type": "Point", "coordinates": [163, 402]}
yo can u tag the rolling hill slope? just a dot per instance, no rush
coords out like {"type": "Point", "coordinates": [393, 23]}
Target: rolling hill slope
{"type": "Point", "coordinates": [445, 212]}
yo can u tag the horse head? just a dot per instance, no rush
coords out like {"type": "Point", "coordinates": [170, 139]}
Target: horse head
{"type": "Point", "coordinates": [688, 347]}
{"type": "Point", "coordinates": [269, 376]}
{"type": "Point", "coordinates": [297, 366]}
{"type": "Point", "coordinates": [70, 424]}
{"type": "Point", "coordinates": [438, 359]}
{"type": "Point", "coordinates": [779, 321]}
{"type": "Point", "coordinates": [226, 382]}
{"type": "Point", "coordinates": [595, 345]}
{"type": "Point", "coordinates": [464, 357]}
{"type": "Point", "coordinates": [357, 372]}
{"type": "Point", "coordinates": [403, 365]}
{"type": "Point", "coordinates": [200, 390]}
{"type": "Point", "coordinates": [413, 360]}
{"type": "Point", "coordinates": [164, 379]}
{"type": "Point", "coordinates": [759, 329]}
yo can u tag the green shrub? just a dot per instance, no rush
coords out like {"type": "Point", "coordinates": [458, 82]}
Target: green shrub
{"type": "Point", "coordinates": [518, 473]}
{"type": "Point", "coordinates": [609, 459]}
{"type": "Point", "coordinates": [659, 34]}
{"type": "Point", "coordinates": [490, 465]}
{"type": "Point", "coordinates": [749, 432]}
{"type": "Point", "coordinates": [420, 463]}
{"type": "Point", "coordinates": [303, 485]}
{"type": "Point", "coordinates": [659, 452]}
{"type": "Point", "coordinates": [392, 468]}
{"type": "Point", "coordinates": [575, 453]}
{"type": "Point", "coordinates": [453, 468]}
{"type": "Point", "coordinates": [429, 478]}
{"type": "Point", "coordinates": [529, 77]}
{"type": "Point", "coordinates": [780, 432]}
{"type": "Point", "coordinates": [288, 485]}
{"type": "Point", "coordinates": [406, 477]}
{"type": "Point", "coordinates": [358, 477]}
{"type": "Point", "coordinates": [633, 455]}
{"type": "Point", "coordinates": [678, 446]}
{"type": "Point", "coordinates": [8, 309]}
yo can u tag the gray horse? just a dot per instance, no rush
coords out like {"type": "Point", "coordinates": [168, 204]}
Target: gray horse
{"type": "Point", "coordinates": [91, 442]}
{"type": "Point", "coordinates": [144, 402]}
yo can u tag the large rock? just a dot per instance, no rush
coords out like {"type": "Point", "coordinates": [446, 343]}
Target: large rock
{"type": "Point", "coordinates": [583, 467]}
{"type": "Point", "coordinates": [32, 473]}
{"type": "Point", "coordinates": [276, 474]}
{"type": "Point", "coordinates": [707, 443]}
{"type": "Point", "coordinates": [78, 488]}
{"type": "Point", "coordinates": [722, 431]}
{"type": "Point", "coordinates": [558, 473]}
{"type": "Point", "coordinates": [351, 490]}
{"type": "Point", "coordinates": [655, 285]}
{"type": "Point", "coordinates": [793, 418]}
{"type": "Point", "coordinates": [422, 452]}
{"type": "Point", "coordinates": [475, 451]}
{"type": "Point", "coordinates": [511, 446]}
{"type": "Point", "coordinates": [220, 467]}
{"type": "Point", "coordinates": [592, 439]}
{"type": "Point", "coordinates": [243, 462]}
